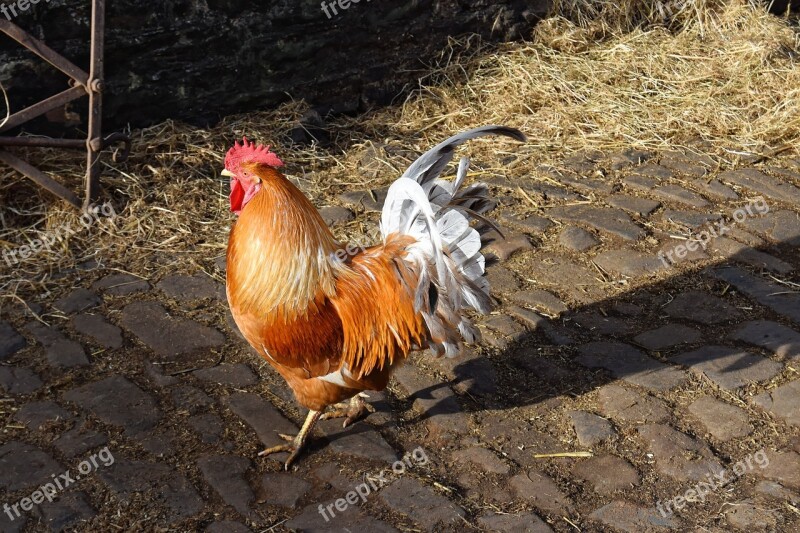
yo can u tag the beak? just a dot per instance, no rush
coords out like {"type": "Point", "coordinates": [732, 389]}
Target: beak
{"type": "Point", "coordinates": [227, 173]}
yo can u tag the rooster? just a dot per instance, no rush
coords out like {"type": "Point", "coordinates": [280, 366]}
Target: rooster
{"type": "Point", "coordinates": [335, 323]}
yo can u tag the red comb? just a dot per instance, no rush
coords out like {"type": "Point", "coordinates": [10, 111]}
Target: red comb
{"type": "Point", "coordinates": [247, 151]}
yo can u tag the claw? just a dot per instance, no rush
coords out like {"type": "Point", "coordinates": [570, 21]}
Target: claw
{"type": "Point", "coordinates": [296, 444]}
{"type": "Point", "coordinates": [352, 412]}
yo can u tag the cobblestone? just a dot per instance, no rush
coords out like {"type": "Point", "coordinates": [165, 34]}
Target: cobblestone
{"type": "Point", "coordinates": [783, 402]}
{"type": "Point", "coordinates": [311, 520]}
{"type": "Point", "coordinates": [334, 214]}
{"type": "Point", "coordinates": [121, 285]}
{"type": "Point", "coordinates": [233, 375]}
{"type": "Point", "coordinates": [633, 204]}
{"type": "Point", "coordinates": [483, 459]}
{"type": "Point", "coordinates": [519, 523]}
{"type": "Point", "coordinates": [36, 414]}
{"type": "Point", "coordinates": [187, 288]}
{"type": "Point", "coordinates": [714, 189]}
{"type": "Point", "coordinates": [676, 194]}
{"type": "Point", "coordinates": [504, 248]}
{"type": "Point", "coordinates": [759, 182]}
{"type": "Point", "coordinates": [282, 489]}
{"type": "Point", "coordinates": [79, 440]}
{"type": "Point", "coordinates": [60, 351]}
{"type": "Point", "coordinates": [226, 474]}
{"type": "Point", "coordinates": [590, 429]}
{"type": "Point", "coordinates": [442, 412]}
{"type": "Point", "coordinates": [364, 200]}
{"type": "Point", "coordinates": [165, 335]}
{"type": "Point", "coordinates": [729, 367]}
{"type": "Point", "coordinates": [66, 512]}
{"type": "Point", "coordinates": [764, 292]}
{"type": "Point", "coordinates": [748, 517]}
{"type": "Point", "coordinates": [780, 226]}
{"type": "Point", "coordinates": [10, 341]}
{"type": "Point", "coordinates": [501, 279]}
{"type": "Point", "coordinates": [263, 417]}
{"type": "Point", "coordinates": [19, 380]}
{"type": "Point", "coordinates": [784, 467]}
{"type": "Point", "coordinates": [607, 473]}
{"type": "Point", "coordinates": [191, 399]}
{"type": "Point", "coordinates": [667, 336]}
{"type": "Point", "coordinates": [531, 224]}
{"type": "Point", "coordinates": [209, 427]}
{"type": "Point", "coordinates": [684, 167]}
{"type": "Point", "coordinates": [541, 492]}
{"type": "Point", "coordinates": [551, 270]}
{"type": "Point", "coordinates": [631, 518]}
{"type": "Point", "coordinates": [361, 441]}
{"type": "Point", "coordinates": [77, 301]}
{"type": "Point", "coordinates": [421, 504]}
{"type": "Point", "coordinates": [96, 327]}
{"type": "Point", "coordinates": [630, 263]}
{"type": "Point", "coordinates": [688, 219]}
{"type": "Point", "coordinates": [119, 402]}
{"type": "Point", "coordinates": [23, 466]}
{"type": "Point", "coordinates": [626, 405]}
{"type": "Point", "coordinates": [723, 421]}
{"type": "Point", "coordinates": [539, 299]}
{"type": "Point", "coordinates": [777, 338]}
{"type": "Point", "coordinates": [577, 239]}
{"type": "Point", "coordinates": [164, 487]}
{"type": "Point", "coordinates": [677, 455]}
{"type": "Point", "coordinates": [629, 364]}
{"type": "Point", "coordinates": [701, 307]}
{"type": "Point", "coordinates": [730, 249]}
{"type": "Point", "coordinates": [612, 221]}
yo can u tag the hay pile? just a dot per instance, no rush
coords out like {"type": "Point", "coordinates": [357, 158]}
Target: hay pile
{"type": "Point", "coordinates": [723, 75]}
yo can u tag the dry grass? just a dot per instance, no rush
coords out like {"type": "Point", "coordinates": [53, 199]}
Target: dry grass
{"type": "Point", "coordinates": [722, 78]}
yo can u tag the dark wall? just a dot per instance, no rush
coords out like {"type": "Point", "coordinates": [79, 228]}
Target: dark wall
{"type": "Point", "coordinates": [198, 60]}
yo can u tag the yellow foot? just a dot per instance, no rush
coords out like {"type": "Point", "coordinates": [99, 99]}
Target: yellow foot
{"type": "Point", "coordinates": [353, 411]}
{"type": "Point", "coordinates": [297, 443]}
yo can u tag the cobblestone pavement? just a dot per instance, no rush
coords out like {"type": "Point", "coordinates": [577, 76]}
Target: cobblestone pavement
{"type": "Point", "coordinates": [666, 368]}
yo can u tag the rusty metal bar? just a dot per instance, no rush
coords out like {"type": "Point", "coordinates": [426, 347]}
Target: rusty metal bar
{"type": "Point", "coordinates": [78, 144]}
{"type": "Point", "coordinates": [45, 52]}
{"type": "Point", "coordinates": [40, 108]}
{"type": "Point", "coordinates": [39, 177]}
{"type": "Point", "coordinates": [94, 141]}
{"type": "Point", "coordinates": [43, 142]}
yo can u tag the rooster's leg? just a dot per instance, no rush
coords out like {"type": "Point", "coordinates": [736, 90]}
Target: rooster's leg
{"type": "Point", "coordinates": [297, 443]}
{"type": "Point", "coordinates": [351, 412]}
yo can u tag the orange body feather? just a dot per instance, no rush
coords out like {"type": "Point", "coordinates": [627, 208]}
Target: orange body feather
{"type": "Point", "coordinates": [310, 314]}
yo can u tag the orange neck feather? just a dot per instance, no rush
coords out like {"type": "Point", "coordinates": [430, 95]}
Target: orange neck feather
{"type": "Point", "coordinates": [279, 252]}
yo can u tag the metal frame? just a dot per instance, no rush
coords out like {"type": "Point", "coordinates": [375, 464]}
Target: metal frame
{"type": "Point", "coordinates": [81, 84]}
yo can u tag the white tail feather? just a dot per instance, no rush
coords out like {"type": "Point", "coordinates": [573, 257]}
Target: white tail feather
{"type": "Point", "coordinates": [446, 256]}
